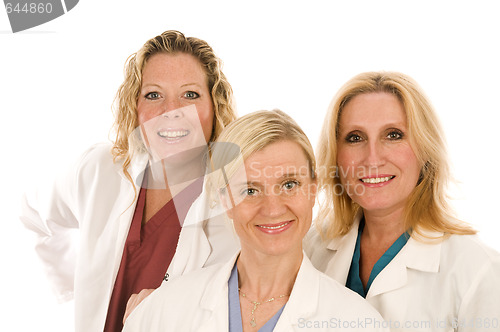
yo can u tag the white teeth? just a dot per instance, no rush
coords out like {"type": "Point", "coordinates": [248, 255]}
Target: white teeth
{"type": "Point", "coordinates": [377, 180]}
{"type": "Point", "coordinates": [173, 133]}
{"type": "Point", "coordinates": [273, 227]}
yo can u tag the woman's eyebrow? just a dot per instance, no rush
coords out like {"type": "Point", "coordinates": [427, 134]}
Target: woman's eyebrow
{"type": "Point", "coordinates": [248, 183]}
{"type": "Point", "coordinates": [363, 127]}
{"type": "Point", "coordinates": [147, 85]}
{"type": "Point", "coordinates": [188, 84]}
{"type": "Point", "coordinates": [303, 171]}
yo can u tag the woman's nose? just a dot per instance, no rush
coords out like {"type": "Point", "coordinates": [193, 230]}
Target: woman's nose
{"type": "Point", "coordinates": [273, 204]}
{"type": "Point", "coordinates": [172, 110]}
{"type": "Point", "coordinates": [374, 154]}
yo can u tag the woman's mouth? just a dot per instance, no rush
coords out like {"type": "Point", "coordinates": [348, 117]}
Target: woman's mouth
{"type": "Point", "coordinates": [275, 228]}
{"type": "Point", "coordinates": [171, 134]}
{"type": "Point", "coordinates": [376, 180]}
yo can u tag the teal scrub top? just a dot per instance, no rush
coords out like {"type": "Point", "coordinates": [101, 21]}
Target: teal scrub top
{"type": "Point", "coordinates": [353, 279]}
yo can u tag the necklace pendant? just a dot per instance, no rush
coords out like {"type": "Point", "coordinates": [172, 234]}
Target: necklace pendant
{"type": "Point", "coordinates": [253, 323]}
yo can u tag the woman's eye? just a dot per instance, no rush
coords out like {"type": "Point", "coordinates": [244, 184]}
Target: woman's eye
{"type": "Point", "coordinates": [289, 185]}
{"type": "Point", "coordinates": [191, 95]}
{"type": "Point", "coordinates": [395, 135]}
{"type": "Point", "coordinates": [353, 138]}
{"type": "Point", "coordinates": [249, 192]}
{"type": "Point", "coordinates": [152, 95]}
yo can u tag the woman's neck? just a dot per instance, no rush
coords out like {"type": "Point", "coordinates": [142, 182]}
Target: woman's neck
{"type": "Point", "coordinates": [383, 227]}
{"type": "Point", "coordinates": [262, 276]}
{"type": "Point", "coordinates": [174, 178]}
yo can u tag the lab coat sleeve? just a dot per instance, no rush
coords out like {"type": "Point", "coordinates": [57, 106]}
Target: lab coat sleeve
{"type": "Point", "coordinates": [51, 212]}
{"type": "Point", "coordinates": [480, 307]}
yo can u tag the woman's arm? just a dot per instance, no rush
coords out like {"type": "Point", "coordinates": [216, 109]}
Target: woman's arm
{"type": "Point", "coordinates": [51, 213]}
{"type": "Point", "coordinates": [480, 306]}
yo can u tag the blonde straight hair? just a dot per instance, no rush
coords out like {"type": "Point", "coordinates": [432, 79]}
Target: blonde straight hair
{"type": "Point", "coordinates": [427, 208]}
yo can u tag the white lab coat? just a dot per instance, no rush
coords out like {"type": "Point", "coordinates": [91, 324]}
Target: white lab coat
{"type": "Point", "coordinates": [96, 197]}
{"type": "Point", "coordinates": [452, 285]}
{"type": "Point", "coordinates": [317, 303]}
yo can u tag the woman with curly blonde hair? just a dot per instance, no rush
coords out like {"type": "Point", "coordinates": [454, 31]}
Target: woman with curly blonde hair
{"type": "Point", "coordinates": [385, 228]}
{"type": "Point", "coordinates": [140, 222]}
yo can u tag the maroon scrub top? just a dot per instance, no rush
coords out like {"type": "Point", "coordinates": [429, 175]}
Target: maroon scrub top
{"type": "Point", "coordinates": [148, 251]}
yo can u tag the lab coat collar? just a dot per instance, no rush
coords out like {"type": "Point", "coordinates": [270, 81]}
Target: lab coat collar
{"type": "Point", "coordinates": [303, 301]}
{"type": "Point", "coordinates": [218, 285]}
{"type": "Point", "coordinates": [416, 255]}
{"type": "Point", "coordinates": [215, 299]}
{"type": "Point", "coordinates": [136, 168]}
{"type": "Point", "coordinates": [342, 248]}
{"type": "Point", "coordinates": [424, 255]}
{"type": "Point", "coordinates": [128, 199]}
{"type": "Point", "coordinates": [193, 247]}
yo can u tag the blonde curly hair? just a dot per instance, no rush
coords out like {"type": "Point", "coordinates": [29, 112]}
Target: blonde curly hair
{"type": "Point", "coordinates": [172, 42]}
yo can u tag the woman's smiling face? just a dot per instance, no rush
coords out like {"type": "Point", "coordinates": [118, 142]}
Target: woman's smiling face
{"type": "Point", "coordinates": [275, 211]}
{"type": "Point", "coordinates": [377, 165]}
{"type": "Point", "coordinates": [174, 106]}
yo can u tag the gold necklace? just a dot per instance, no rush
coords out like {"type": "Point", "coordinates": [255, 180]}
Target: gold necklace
{"type": "Point", "coordinates": [257, 303]}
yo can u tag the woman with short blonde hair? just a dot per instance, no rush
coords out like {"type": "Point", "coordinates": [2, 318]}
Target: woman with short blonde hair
{"type": "Point", "coordinates": [269, 285]}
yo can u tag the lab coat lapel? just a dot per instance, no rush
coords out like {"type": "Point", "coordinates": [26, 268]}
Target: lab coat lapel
{"type": "Point", "coordinates": [193, 247]}
{"type": "Point", "coordinates": [343, 248]}
{"type": "Point", "coordinates": [392, 277]}
{"type": "Point", "coordinates": [416, 255]}
{"type": "Point", "coordinates": [215, 299]}
{"type": "Point", "coordinates": [128, 199]}
{"type": "Point", "coordinates": [303, 301]}
{"type": "Point", "coordinates": [103, 246]}
{"type": "Point", "coordinates": [124, 220]}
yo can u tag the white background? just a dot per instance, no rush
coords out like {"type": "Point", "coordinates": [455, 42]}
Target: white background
{"type": "Point", "coordinates": [58, 80]}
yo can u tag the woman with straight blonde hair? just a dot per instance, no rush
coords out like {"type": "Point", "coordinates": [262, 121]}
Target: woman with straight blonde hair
{"type": "Point", "coordinates": [269, 191]}
{"type": "Point", "coordinates": [385, 229]}
{"type": "Point", "coordinates": [138, 204]}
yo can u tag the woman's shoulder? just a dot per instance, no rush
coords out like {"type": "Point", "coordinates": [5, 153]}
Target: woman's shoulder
{"type": "Point", "coordinates": [79, 173]}
{"type": "Point", "coordinates": [199, 276]}
{"type": "Point", "coordinates": [96, 163]}
{"type": "Point", "coordinates": [194, 283]}
{"type": "Point", "coordinates": [470, 251]}
{"type": "Point", "coordinates": [313, 241]}
{"type": "Point", "coordinates": [464, 263]}
{"type": "Point", "coordinates": [176, 299]}
{"type": "Point", "coordinates": [318, 246]}
{"type": "Point", "coordinates": [471, 269]}
{"type": "Point", "coordinates": [470, 245]}
{"type": "Point", "coordinates": [97, 154]}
